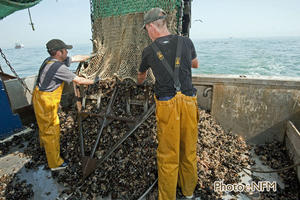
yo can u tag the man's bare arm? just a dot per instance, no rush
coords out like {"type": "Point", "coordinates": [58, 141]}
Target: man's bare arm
{"type": "Point", "coordinates": [83, 81]}
{"type": "Point", "coordinates": [80, 58]}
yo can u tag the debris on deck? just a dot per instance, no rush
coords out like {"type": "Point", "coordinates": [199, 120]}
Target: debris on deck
{"type": "Point", "coordinates": [131, 169]}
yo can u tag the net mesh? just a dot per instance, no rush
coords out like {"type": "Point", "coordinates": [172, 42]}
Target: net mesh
{"type": "Point", "coordinates": [108, 8]}
{"type": "Point", "coordinates": [118, 40]}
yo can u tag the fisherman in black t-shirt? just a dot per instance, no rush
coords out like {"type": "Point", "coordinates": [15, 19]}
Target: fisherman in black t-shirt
{"type": "Point", "coordinates": [171, 58]}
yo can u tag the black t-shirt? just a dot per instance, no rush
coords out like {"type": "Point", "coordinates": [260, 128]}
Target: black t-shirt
{"type": "Point", "coordinates": [164, 84]}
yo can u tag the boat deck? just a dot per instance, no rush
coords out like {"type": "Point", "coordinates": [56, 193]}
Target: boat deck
{"type": "Point", "coordinates": [45, 185]}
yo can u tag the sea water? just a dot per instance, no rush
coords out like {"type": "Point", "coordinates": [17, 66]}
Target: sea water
{"type": "Point", "coordinates": [253, 56]}
{"type": "Point", "coordinates": [27, 61]}
{"type": "Point", "coordinates": [268, 56]}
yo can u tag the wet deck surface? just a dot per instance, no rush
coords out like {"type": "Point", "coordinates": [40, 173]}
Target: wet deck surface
{"type": "Point", "coordinates": [246, 179]}
{"type": "Point", "coordinates": [46, 187]}
{"type": "Point", "coordinates": [43, 184]}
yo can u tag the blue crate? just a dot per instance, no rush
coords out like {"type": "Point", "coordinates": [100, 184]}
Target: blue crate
{"type": "Point", "coordinates": [9, 122]}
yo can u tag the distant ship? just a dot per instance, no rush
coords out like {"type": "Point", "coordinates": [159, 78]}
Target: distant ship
{"type": "Point", "coordinates": [19, 46]}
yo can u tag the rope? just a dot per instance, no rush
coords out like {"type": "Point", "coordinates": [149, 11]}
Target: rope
{"type": "Point", "coordinates": [271, 171]}
{"type": "Point", "coordinates": [15, 73]}
{"type": "Point", "coordinates": [31, 23]}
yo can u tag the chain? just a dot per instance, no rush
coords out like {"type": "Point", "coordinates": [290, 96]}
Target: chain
{"type": "Point", "coordinates": [14, 72]}
{"type": "Point", "coordinates": [1, 69]}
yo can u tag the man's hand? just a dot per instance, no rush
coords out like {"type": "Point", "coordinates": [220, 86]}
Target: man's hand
{"type": "Point", "coordinates": [141, 77]}
{"type": "Point", "coordinates": [195, 63]}
{"type": "Point", "coordinates": [82, 81]}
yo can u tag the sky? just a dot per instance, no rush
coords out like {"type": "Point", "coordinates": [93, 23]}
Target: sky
{"type": "Point", "coordinates": [245, 18]}
{"type": "Point", "coordinates": [70, 21]}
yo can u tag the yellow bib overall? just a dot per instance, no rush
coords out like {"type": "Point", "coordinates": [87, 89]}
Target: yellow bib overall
{"type": "Point", "coordinates": [177, 129]}
{"type": "Point", "coordinates": [46, 107]}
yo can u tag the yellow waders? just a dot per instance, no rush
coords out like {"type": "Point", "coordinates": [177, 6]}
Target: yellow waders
{"type": "Point", "coordinates": [177, 123]}
{"type": "Point", "coordinates": [46, 107]}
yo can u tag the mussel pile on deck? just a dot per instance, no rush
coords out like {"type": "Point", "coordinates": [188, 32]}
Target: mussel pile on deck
{"type": "Point", "coordinates": [128, 172]}
{"type": "Point", "coordinates": [275, 155]}
{"type": "Point", "coordinates": [221, 156]}
{"type": "Point", "coordinates": [17, 141]}
{"type": "Point", "coordinates": [11, 187]}
{"type": "Point", "coordinates": [131, 169]}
